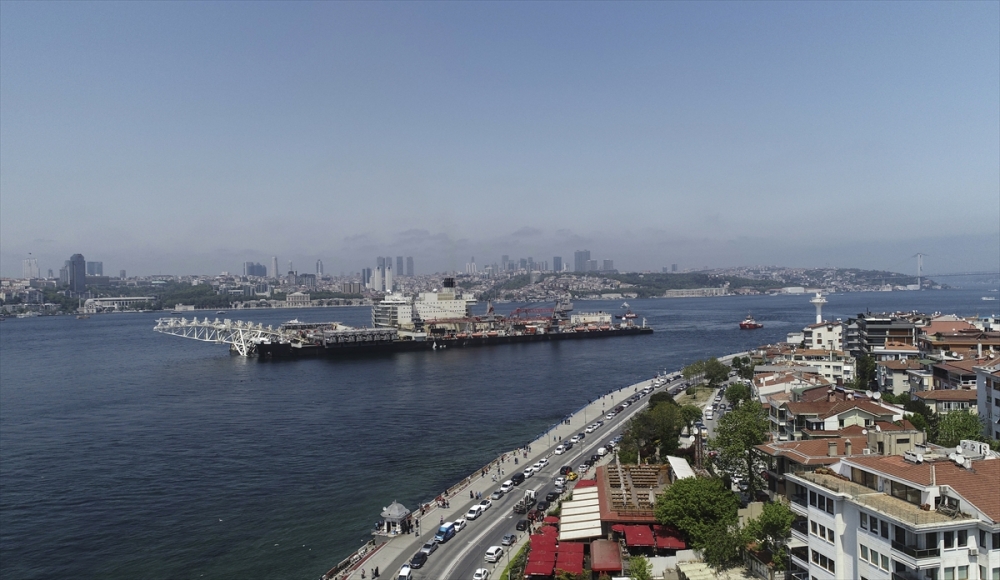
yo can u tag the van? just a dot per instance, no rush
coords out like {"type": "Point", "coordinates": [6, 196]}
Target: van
{"type": "Point", "coordinates": [405, 573]}
{"type": "Point", "coordinates": [445, 533]}
{"type": "Point", "coordinates": [602, 451]}
{"type": "Point", "coordinates": [517, 478]}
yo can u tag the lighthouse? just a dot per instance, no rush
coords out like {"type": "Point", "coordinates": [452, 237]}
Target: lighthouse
{"type": "Point", "coordinates": [819, 301]}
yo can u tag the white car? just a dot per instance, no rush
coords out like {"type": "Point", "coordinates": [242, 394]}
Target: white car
{"type": "Point", "coordinates": [486, 504]}
{"type": "Point", "coordinates": [543, 462]}
{"type": "Point", "coordinates": [560, 481]}
{"type": "Point", "coordinates": [459, 524]}
{"type": "Point", "coordinates": [507, 486]}
{"type": "Point", "coordinates": [528, 473]}
{"type": "Point", "coordinates": [481, 574]}
{"type": "Point", "coordinates": [474, 512]}
{"type": "Point", "coordinates": [560, 450]}
{"type": "Point", "coordinates": [405, 573]}
{"type": "Point", "coordinates": [610, 416]}
{"type": "Point", "coordinates": [493, 554]}
{"type": "Point", "coordinates": [590, 429]}
{"type": "Point", "coordinates": [538, 466]}
{"type": "Point", "coordinates": [574, 439]}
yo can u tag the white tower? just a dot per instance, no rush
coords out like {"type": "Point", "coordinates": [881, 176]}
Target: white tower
{"type": "Point", "coordinates": [818, 301]}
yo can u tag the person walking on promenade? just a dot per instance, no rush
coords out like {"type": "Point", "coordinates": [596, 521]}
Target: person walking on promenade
{"type": "Point", "coordinates": [362, 574]}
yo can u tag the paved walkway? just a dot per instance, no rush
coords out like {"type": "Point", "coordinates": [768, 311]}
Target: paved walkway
{"type": "Point", "coordinates": [391, 553]}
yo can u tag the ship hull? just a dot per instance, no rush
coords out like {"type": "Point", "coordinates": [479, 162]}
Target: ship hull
{"type": "Point", "coordinates": [286, 350]}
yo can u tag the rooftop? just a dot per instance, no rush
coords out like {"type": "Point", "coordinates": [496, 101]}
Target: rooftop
{"type": "Point", "coordinates": [948, 395]}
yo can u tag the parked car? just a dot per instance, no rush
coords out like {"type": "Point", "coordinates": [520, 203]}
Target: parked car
{"type": "Point", "coordinates": [493, 554]}
{"type": "Point", "coordinates": [560, 449]}
{"type": "Point", "coordinates": [418, 560]}
{"type": "Point", "coordinates": [542, 506]}
{"type": "Point", "coordinates": [517, 478]}
{"type": "Point", "coordinates": [497, 494]}
{"type": "Point", "coordinates": [521, 525]}
{"type": "Point", "coordinates": [543, 462]}
{"type": "Point", "coordinates": [486, 504]}
{"type": "Point", "coordinates": [481, 574]}
{"type": "Point", "coordinates": [405, 573]}
{"type": "Point", "coordinates": [459, 524]}
{"type": "Point", "coordinates": [552, 496]}
{"type": "Point", "coordinates": [508, 540]}
{"type": "Point", "coordinates": [506, 486]}
{"type": "Point", "coordinates": [474, 512]}
{"type": "Point", "coordinates": [429, 548]}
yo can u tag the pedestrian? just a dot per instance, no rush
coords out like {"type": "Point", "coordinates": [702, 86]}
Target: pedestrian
{"type": "Point", "coordinates": [471, 495]}
{"type": "Point", "coordinates": [442, 520]}
{"type": "Point", "coordinates": [376, 571]}
{"type": "Point", "coordinates": [362, 574]}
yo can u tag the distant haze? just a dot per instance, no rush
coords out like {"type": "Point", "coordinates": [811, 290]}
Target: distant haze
{"type": "Point", "coordinates": [190, 137]}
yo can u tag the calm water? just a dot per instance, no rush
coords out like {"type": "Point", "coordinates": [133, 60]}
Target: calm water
{"type": "Point", "coordinates": [126, 453]}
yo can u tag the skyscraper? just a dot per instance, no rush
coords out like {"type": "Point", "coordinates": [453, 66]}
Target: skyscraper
{"type": "Point", "coordinates": [121, 274]}
{"type": "Point", "coordinates": [274, 267]}
{"type": "Point", "coordinates": [30, 268]}
{"type": "Point", "coordinates": [580, 258]}
{"type": "Point", "coordinates": [399, 266]}
{"type": "Point", "coordinates": [504, 259]}
{"type": "Point", "coordinates": [557, 264]}
{"type": "Point", "coordinates": [409, 266]}
{"type": "Point", "coordinates": [319, 268]}
{"type": "Point", "coordinates": [77, 274]}
{"type": "Point", "coordinates": [95, 268]}
{"type": "Point", "coordinates": [388, 276]}
{"type": "Point", "coordinates": [608, 265]}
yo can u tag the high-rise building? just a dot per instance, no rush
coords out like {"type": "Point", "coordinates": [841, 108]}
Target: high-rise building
{"type": "Point", "coordinates": [274, 267]}
{"type": "Point", "coordinates": [470, 268]}
{"type": "Point", "coordinates": [580, 258]}
{"type": "Point", "coordinates": [590, 266]}
{"type": "Point", "coordinates": [254, 269]}
{"type": "Point", "coordinates": [51, 275]}
{"type": "Point", "coordinates": [673, 267]}
{"type": "Point", "coordinates": [557, 264]}
{"type": "Point", "coordinates": [504, 262]}
{"type": "Point", "coordinates": [64, 274]}
{"type": "Point", "coordinates": [319, 268]}
{"type": "Point", "coordinates": [77, 274]}
{"type": "Point", "coordinates": [95, 268]}
{"type": "Point", "coordinates": [608, 265]}
{"type": "Point", "coordinates": [121, 274]}
{"type": "Point", "coordinates": [409, 266]}
{"type": "Point", "coordinates": [366, 277]}
{"type": "Point", "coordinates": [388, 276]}
{"type": "Point", "coordinates": [399, 266]}
{"type": "Point", "coordinates": [30, 268]}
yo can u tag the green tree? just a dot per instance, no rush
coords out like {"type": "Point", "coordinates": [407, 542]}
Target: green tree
{"type": "Point", "coordinates": [958, 425]}
{"type": "Point", "coordinates": [865, 372]}
{"type": "Point", "coordinates": [695, 369]}
{"type": "Point", "coordinates": [771, 529]}
{"type": "Point", "coordinates": [639, 568]}
{"type": "Point", "coordinates": [716, 372]}
{"type": "Point", "coordinates": [690, 414]}
{"type": "Point", "coordinates": [652, 431]}
{"type": "Point", "coordinates": [737, 392]}
{"type": "Point", "coordinates": [695, 506]}
{"type": "Point", "coordinates": [736, 435]}
{"type": "Point", "coordinates": [726, 548]}
{"type": "Point", "coordinates": [662, 397]}
{"type": "Point", "coordinates": [922, 417]}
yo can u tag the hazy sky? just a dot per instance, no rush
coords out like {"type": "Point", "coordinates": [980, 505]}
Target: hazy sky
{"type": "Point", "coordinates": [184, 137]}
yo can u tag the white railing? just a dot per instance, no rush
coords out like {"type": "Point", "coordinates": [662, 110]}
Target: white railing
{"type": "Point", "coordinates": [242, 337]}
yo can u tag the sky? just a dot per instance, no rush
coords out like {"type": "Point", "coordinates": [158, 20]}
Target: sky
{"type": "Point", "coordinates": [189, 137]}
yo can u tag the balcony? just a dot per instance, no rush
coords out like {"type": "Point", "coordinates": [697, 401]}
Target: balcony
{"type": "Point", "coordinates": [801, 526]}
{"type": "Point", "coordinates": [917, 553]}
{"type": "Point", "coordinates": [800, 498]}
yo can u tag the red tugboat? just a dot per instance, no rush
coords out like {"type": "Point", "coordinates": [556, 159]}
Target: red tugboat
{"type": "Point", "coordinates": [750, 324]}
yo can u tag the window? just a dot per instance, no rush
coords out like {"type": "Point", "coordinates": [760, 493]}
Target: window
{"type": "Point", "coordinates": [812, 527]}
{"type": "Point", "coordinates": [996, 542]}
{"type": "Point", "coordinates": [963, 538]}
{"type": "Point", "coordinates": [864, 521]}
{"type": "Point", "coordinates": [864, 553]}
{"type": "Point", "coordinates": [885, 530]}
{"type": "Point", "coordinates": [821, 502]}
{"type": "Point", "coordinates": [829, 506]}
{"type": "Point", "coordinates": [884, 564]}
{"type": "Point", "coordinates": [982, 541]}
{"type": "Point", "coordinates": [949, 574]}
{"type": "Point", "coordinates": [949, 541]}
{"type": "Point", "coordinates": [963, 573]}
{"type": "Point", "coordinates": [874, 525]}
{"type": "Point", "coordinates": [829, 535]}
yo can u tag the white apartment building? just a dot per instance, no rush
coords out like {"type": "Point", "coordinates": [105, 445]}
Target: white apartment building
{"type": "Point", "coordinates": [988, 393]}
{"type": "Point", "coordinates": [920, 516]}
{"type": "Point", "coordinates": [824, 336]}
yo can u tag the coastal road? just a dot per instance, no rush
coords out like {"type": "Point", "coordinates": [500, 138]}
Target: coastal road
{"type": "Point", "coordinates": [463, 554]}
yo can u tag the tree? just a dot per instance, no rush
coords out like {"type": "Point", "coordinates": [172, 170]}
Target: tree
{"type": "Point", "coordinates": [690, 414]}
{"type": "Point", "coordinates": [695, 506]}
{"type": "Point", "coordinates": [737, 392]}
{"type": "Point", "coordinates": [663, 397]}
{"type": "Point", "coordinates": [725, 549]}
{"type": "Point", "coordinates": [736, 435]}
{"type": "Point", "coordinates": [771, 530]}
{"type": "Point", "coordinates": [958, 425]}
{"type": "Point", "coordinates": [865, 372]}
{"type": "Point", "coordinates": [695, 369]}
{"type": "Point", "coordinates": [639, 568]}
{"type": "Point", "coordinates": [715, 372]}
{"type": "Point", "coordinates": [929, 419]}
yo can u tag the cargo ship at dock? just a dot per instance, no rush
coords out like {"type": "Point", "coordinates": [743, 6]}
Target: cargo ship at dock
{"type": "Point", "coordinates": [430, 321]}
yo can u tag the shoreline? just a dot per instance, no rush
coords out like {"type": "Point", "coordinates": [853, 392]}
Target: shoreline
{"type": "Point", "coordinates": [391, 547]}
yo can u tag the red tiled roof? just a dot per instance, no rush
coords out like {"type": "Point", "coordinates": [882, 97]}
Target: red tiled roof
{"type": "Point", "coordinates": [978, 485]}
{"type": "Point", "coordinates": [900, 365]}
{"type": "Point", "coordinates": [824, 409]}
{"type": "Point", "coordinates": [814, 451]}
{"type": "Point", "coordinates": [948, 395]}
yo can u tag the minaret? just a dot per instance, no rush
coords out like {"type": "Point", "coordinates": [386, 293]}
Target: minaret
{"type": "Point", "coordinates": [819, 301]}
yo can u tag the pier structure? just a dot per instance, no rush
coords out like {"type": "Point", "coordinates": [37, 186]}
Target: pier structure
{"type": "Point", "coordinates": [242, 337]}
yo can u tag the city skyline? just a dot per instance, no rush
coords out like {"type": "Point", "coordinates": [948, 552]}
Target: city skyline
{"type": "Point", "coordinates": [191, 138]}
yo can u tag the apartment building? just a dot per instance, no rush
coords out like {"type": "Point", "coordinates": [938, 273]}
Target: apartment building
{"type": "Point", "coordinates": [920, 516]}
{"type": "Point", "coordinates": [946, 401]}
{"type": "Point", "coordinates": [988, 396]}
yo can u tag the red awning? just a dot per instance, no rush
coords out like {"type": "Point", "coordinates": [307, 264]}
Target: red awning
{"type": "Point", "coordinates": [620, 528]}
{"type": "Point", "coordinates": [542, 556]}
{"type": "Point", "coordinates": [585, 483]}
{"type": "Point", "coordinates": [540, 542]}
{"type": "Point", "coordinates": [548, 531]}
{"type": "Point", "coordinates": [605, 556]}
{"type": "Point", "coordinates": [551, 520]}
{"type": "Point", "coordinates": [572, 563]}
{"type": "Point", "coordinates": [638, 536]}
{"type": "Point", "coordinates": [670, 543]}
{"type": "Point", "coordinates": [571, 548]}
{"type": "Point", "coordinates": [539, 568]}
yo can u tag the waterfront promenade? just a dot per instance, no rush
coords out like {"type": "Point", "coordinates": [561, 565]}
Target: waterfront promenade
{"type": "Point", "coordinates": [388, 554]}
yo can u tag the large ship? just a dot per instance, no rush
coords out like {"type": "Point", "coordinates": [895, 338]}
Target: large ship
{"type": "Point", "coordinates": [750, 324]}
{"type": "Point", "coordinates": [433, 320]}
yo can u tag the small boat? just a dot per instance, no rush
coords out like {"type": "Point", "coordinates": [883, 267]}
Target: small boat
{"type": "Point", "coordinates": [82, 316]}
{"type": "Point", "coordinates": [492, 334]}
{"type": "Point", "coordinates": [989, 298]}
{"type": "Point", "coordinates": [750, 324]}
{"type": "Point", "coordinates": [605, 327]}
